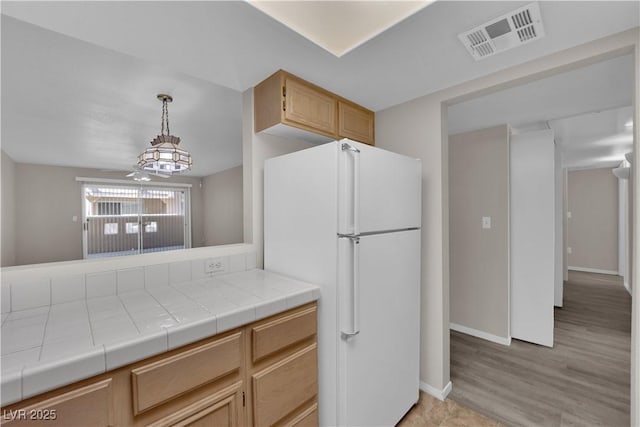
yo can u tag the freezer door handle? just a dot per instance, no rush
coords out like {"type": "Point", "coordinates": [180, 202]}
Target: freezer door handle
{"type": "Point", "coordinates": [355, 290]}
{"type": "Point", "coordinates": [356, 185]}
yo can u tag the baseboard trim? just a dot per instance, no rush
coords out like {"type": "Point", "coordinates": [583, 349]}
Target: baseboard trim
{"type": "Point", "coordinates": [437, 393]}
{"type": "Point", "coordinates": [627, 287]}
{"type": "Point", "coordinates": [480, 334]}
{"type": "Point", "coordinates": [594, 270]}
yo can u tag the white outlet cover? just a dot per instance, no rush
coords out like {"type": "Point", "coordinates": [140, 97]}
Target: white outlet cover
{"type": "Point", "coordinates": [215, 265]}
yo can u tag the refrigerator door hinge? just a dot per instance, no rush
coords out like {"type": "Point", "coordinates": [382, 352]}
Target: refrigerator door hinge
{"type": "Point", "coordinates": [348, 147]}
{"type": "Point", "coordinates": [244, 401]}
{"type": "Point", "coordinates": [354, 237]}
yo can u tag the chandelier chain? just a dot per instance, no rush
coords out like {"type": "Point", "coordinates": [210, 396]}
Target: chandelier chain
{"type": "Point", "coordinates": [165, 117]}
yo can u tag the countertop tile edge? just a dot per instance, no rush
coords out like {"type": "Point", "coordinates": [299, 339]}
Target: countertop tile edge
{"type": "Point", "coordinates": [43, 377]}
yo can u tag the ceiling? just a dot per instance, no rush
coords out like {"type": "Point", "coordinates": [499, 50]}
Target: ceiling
{"type": "Point", "coordinates": [86, 77]}
{"type": "Point", "coordinates": [339, 26]}
{"type": "Point", "coordinates": [598, 139]}
{"type": "Point", "coordinates": [66, 102]}
{"type": "Point", "coordinates": [599, 95]}
{"type": "Point", "coordinates": [233, 44]}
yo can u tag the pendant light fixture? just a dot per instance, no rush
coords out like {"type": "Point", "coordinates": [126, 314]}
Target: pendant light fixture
{"type": "Point", "coordinates": [165, 156]}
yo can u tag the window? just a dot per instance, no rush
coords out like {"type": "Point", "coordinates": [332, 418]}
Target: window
{"type": "Point", "coordinates": [132, 228]}
{"type": "Point", "coordinates": [130, 219]}
{"type": "Point", "coordinates": [116, 208]}
{"type": "Point", "coordinates": [150, 227]}
{"type": "Point", "coordinates": [111, 228]}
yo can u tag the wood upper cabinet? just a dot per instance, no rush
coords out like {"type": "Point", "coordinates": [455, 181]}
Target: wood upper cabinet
{"type": "Point", "coordinates": [286, 99]}
{"type": "Point", "coordinates": [355, 122]}
{"type": "Point", "coordinates": [309, 107]}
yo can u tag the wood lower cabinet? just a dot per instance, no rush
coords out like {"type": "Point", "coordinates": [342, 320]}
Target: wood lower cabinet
{"type": "Point", "coordinates": [282, 369]}
{"type": "Point", "coordinates": [220, 409]}
{"type": "Point", "coordinates": [262, 374]}
{"type": "Point", "coordinates": [89, 405]}
{"type": "Point", "coordinates": [284, 99]}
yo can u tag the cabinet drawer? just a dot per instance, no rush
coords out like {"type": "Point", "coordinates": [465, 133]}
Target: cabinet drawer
{"type": "Point", "coordinates": [280, 333]}
{"type": "Point", "coordinates": [219, 409]}
{"type": "Point", "coordinates": [86, 406]}
{"type": "Point", "coordinates": [160, 381]}
{"type": "Point", "coordinates": [281, 388]}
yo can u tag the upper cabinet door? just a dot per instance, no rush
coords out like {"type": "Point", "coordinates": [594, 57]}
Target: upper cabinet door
{"type": "Point", "coordinates": [355, 123]}
{"type": "Point", "coordinates": [310, 108]}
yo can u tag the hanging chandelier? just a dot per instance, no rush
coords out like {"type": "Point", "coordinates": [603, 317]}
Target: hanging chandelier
{"type": "Point", "coordinates": [165, 156]}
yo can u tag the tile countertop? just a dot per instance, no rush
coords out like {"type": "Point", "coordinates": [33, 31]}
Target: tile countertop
{"type": "Point", "coordinates": [48, 347]}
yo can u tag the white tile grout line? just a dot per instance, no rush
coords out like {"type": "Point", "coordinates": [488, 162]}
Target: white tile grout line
{"type": "Point", "coordinates": [129, 314]}
{"type": "Point", "coordinates": [44, 331]}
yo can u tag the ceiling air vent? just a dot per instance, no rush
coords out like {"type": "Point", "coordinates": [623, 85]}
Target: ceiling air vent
{"type": "Point", "coordinates": [514, 29]}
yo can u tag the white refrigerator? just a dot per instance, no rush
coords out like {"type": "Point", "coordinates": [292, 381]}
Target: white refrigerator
{"type": "Point", "coordinates": [346, 217]}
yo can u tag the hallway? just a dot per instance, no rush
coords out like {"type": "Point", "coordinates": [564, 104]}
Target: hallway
{"type": "Point", "coordinates": [583, 380]}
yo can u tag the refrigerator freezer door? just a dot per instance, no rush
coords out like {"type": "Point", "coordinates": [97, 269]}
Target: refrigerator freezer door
{"type": "Point", "coordinates": [378, 190]}
{"type": "Point", "coordinates": [379, 367]}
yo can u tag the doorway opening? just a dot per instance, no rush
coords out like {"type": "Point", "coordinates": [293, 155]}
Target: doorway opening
{"type": "Point", "coordinates": [485, 282]}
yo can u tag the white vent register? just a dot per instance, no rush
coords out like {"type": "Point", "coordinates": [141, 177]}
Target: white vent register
{"type": "Point", "coordinates": [514, 29]}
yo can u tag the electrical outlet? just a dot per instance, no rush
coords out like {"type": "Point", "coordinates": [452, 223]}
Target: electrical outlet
{"type": "Point", "coordinates": [215, 265]}
{"type": "Point", "coordinates": [569, 250]}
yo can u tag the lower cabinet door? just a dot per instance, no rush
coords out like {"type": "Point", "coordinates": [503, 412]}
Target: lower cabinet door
{"type": "Point", "coordinates": [220, 409]}
{"type": "Point", "coordinates": [90, 405]}
{"type": "Point", "coordinates": [306, 418]}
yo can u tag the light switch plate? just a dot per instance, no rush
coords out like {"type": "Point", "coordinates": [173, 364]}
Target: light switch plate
{"type": "Point", "coordinates": [486, 222]}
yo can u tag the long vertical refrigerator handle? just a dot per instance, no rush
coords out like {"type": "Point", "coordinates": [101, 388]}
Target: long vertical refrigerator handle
{"type": "Point", "coordinates": [356, 185]}
{"type": "Point", "coordinates": [355, 283]}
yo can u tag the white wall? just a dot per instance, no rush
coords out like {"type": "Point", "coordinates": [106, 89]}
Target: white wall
{"type": "Point", "coordinates": [419, 128]}
{"type": "Point", "coordinates": [533, 236]}
{"type": "Point", "coordinates": [623, 232]}
{"type": "Point", "coordinates": [8, 203]}
{"type": "Point", "coordinates": [593, 226]}
{"type": "Point", "coordinates": [559, 229]}
{"type": "Point", "coordinates": [479, 257]}
{"type": "Point", "coordinates": [222, 200]}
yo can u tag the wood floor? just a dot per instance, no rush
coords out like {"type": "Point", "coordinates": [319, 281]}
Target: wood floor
{"type": "Point", "coordinates": [582, 381]}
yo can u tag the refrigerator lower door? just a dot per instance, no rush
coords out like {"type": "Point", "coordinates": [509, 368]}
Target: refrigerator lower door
{"type": "Point", "coordinates": [378, 368]}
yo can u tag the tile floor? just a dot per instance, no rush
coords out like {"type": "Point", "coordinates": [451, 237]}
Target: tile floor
{"type": "Point", "coordinates": [431, 412]}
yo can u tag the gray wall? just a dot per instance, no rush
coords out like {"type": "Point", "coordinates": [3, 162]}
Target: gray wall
{"type": "Point", "coordinates": [46, 199]}
{"type": "Point", "coordinates": [7, 195]}
{"type": "Point", "coordinates": [479, 258]}
{"type": "Point", "coordinates": [222, 194]}
{"type": "Point", "coordinates": [593, 226]}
